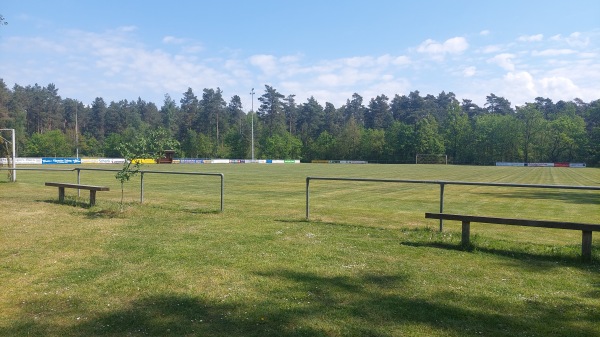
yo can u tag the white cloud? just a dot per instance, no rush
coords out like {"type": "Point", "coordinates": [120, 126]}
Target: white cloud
{"type": "Point", "coordinates": [192, 49]}
{"type": "Point", "coordinates": [521, 83]}
{"type": "Point", "coordinates": [491, 49]}
{"type": "Point", "coordinates": [36, 44]}
{"type": "Point", "coordinates": [531, 38]}
{"type": "Point", "coordinates": [289, 59]}
{"type": "Point", "coordinates": [358, 62]}
{"type": "Point", "coordinates": [116, 64]}
{"type": "Point", "coordinates": [187, 46]}
{"type": "Point", "coordinates": [521, 87]}
{"type": "Point", "coordinates": [504, 60]}
{"type": "Point", "coordinates": [469, 71]}
{"type": "Point", "coordinates": [237, 69]}
{"type": "Point", "coordinates": [484, 32]}
{"type": "Point", "coordinates": [516, 87]}
{"type": "Point", "coordinates": [329, 80]}
{"type": "Point", "coordinates": [589, 55]}
{"type": "Point", "coordinates": [336, 80]}
{"type": "Point", "coordinates": [383, 60]}
{"type": "Point", "coordinates": [556, 37]}
{"type": "Point", "coordinates": [127, 28]}
{"type": "Point", "coordinates": [559, 88]}
{"type": "Point", "coordinates": [401, 61]}
{"type": "Point", "coordinates": [455, 45]}
{"type": "Point", "coordinates": [388, 86]}
{"type": "Point", "coordinates": [266, 63]}
{"type": "Point", "coordinates": [553, 52]}
{"type": "Point", "coordinates": [575, 39]}
{"type": "Point", "coordinates": [173, 40]}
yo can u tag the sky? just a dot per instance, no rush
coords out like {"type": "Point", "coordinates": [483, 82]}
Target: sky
{"type": "Point", "coordinates": [326, 49]}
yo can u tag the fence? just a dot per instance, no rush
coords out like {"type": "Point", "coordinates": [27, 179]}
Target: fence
{"type": "Point", "coordinates": [142, 172]}
{"type": "Point", "coordinates": [442, 185]}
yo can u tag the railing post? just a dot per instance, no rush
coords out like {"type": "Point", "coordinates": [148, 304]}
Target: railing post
{"type": "Point", "coordinates": [222, 191]}
{"type": "Point", "coordinates": [586, 246]}
{"type": "Point", "coordinates": [442, 205]}
{"type": "Point", "coordinates": [466, 234]}
{"type": "Point", "coordinates": [78, 181]}
{"type": "Point", "coordinates": [141, 187]}
{"type": "Point", "coordinates": [307, 183]}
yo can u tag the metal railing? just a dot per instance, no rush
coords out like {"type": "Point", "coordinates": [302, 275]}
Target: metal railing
{"type": "Point", "coordinates": [184, 173]}
{"type": "Point", "coordinates": [142, 172]}
{"type": "Point", "coordinates": [442, 185]}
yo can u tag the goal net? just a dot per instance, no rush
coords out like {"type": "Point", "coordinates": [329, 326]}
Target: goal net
{"type": "Point", "coordinates": [425, 158]}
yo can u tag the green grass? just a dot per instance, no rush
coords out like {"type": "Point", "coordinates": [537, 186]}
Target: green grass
{"type": "Point", "coordinates": [366, 264]}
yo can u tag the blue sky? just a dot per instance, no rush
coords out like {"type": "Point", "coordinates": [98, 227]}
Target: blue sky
{"type": "Point", "coordinates": [124, 49]}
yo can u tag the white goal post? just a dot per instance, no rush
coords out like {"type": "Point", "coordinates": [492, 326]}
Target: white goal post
{"type": "Point", "coordinates": [13, 156]}
{"type": "Point", "coordinates": [428, 158]}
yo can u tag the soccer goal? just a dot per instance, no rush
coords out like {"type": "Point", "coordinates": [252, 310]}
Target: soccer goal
{"type": "Point", "coordinates": [425, 158]}
{"type": "Point", "coordinates": [10, 154]}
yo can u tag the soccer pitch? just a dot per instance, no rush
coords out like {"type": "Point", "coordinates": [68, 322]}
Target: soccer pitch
{"type": "Point", "coordinates": [367, 263]}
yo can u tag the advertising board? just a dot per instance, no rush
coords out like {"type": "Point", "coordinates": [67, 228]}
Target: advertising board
{"type": "Point", "coordinates": [501, 163]}
{"type": "Point", "coordinates": [540, 164]}
{"type": "Point", "coordinates": [28, 161]}
{"type": "Point", "coordinates": [61, 160]}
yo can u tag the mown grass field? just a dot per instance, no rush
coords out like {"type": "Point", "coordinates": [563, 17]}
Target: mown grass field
{"type": "Point", "coordinates": [366, 264]}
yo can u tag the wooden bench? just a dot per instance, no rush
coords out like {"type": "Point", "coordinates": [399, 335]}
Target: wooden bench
{"type": "Point", "coordinates": [586, 229]}
{"type": "Point", "coordinates": [93, 189]}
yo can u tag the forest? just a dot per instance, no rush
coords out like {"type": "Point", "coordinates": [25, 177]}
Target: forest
{"type": "Point", "coordinates": [378, 130]}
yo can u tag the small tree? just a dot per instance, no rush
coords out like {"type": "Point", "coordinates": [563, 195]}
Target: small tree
{"type": "Point", "coordinates": [152, 145]}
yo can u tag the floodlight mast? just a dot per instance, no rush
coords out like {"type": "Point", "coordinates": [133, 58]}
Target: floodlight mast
{"type": "Point", "coordinates": [13, 176]}
{"type": "Point", "coordinates": [76, 134]}
{"type": "Point", "coordinates": [252, 95]}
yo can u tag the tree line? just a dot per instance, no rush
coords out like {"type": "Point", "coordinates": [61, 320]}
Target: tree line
{"type": "Point", "coordinates": [382, 129]}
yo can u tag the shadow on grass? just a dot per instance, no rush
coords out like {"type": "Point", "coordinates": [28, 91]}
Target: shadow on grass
{"type": "Point", "coordinates": [581, 198]}
{"type": "Point", "coordinates": [308, 304]}
{"type": "Point", "coordinates": [201, 211]}
{"type": "Point", "coordinates": [184, 209]}
{"type": "Point", "coordinates": [293, 220]}
{"type": "Point", "coordinates": [520, 256]}
{"type": "Point", "coordinates": [341, 225]}
{"type": "Point", "coordinates": [110, 210]}
{"type": "Point", "coordinates": [334, 305]}
{"type": "Point", "coordinates": [371, 310]}
{"type": "Point", "coordinates": [74, 202]}
{"type": "Point", "coordinates": [105, 214]}
{"type": "Point", "coordinates": [325, 223]}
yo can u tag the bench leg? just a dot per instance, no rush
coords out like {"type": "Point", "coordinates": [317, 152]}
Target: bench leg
{"type": "Point", "coordinates": [466, 232]}
{"type": "Point", "coordinates": [92, 198]}
{"type": "Point", "coordinates": [586, 245]}
{"type": "Point", "coordinates": [61, 194]}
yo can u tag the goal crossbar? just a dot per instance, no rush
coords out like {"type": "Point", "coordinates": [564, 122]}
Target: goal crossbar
{"type": "Point", "coordinates": [431, 158]}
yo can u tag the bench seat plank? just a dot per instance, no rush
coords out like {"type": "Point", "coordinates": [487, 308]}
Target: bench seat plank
{"type": "Point", "coordinates": [79, 186]}
{"type": "Point", "coordinates": [586, 229]}
{"type": "Point", "coordinates": [92, 188]}
{"type": "Point", "coordinates": [515, 222]}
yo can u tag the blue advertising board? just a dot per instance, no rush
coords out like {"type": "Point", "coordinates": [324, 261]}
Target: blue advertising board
{"type": "Point", "coordinates": [61, 160]}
